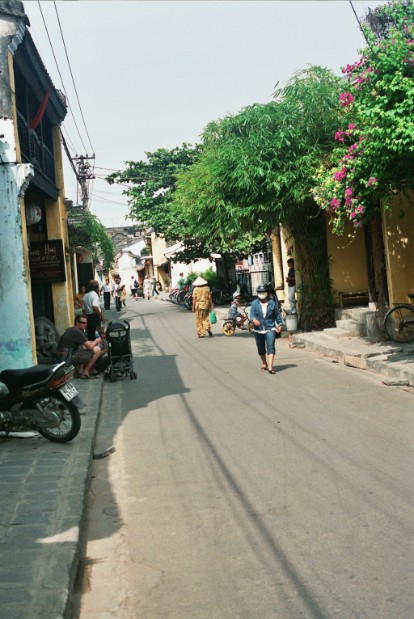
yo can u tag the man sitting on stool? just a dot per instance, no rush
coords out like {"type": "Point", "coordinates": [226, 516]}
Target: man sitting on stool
{"type": "Point", "coordinates": [75, 348]}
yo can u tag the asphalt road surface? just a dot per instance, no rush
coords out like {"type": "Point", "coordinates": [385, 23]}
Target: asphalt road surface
{"type": "Point", "coordinates": [237, 494]}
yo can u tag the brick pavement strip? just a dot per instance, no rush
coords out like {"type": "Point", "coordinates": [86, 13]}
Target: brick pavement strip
{"type": "Point", "coordinates": [43, 489]}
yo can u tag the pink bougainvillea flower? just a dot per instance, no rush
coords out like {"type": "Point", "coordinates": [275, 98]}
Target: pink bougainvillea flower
{"type": "Point", "coordinates": [346, 98]}
{"type": "Point", "coordinates": [340, 135]}
{"type": "Point", "coordinates": [372, 182]}
{"type": "Point", "coordinates": [339, 176]}
{"type": "Point", "coordinates": [335, 203]}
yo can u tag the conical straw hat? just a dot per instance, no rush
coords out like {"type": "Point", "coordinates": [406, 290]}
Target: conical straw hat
{"type": "Point", "coordinates": [199, 282]}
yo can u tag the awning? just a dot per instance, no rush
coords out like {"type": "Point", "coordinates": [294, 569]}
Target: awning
{"type": "Point", "coordinates": [174, 249]}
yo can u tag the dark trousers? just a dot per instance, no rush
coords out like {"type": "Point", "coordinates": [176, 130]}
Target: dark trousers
{"type": "Point", "coordinates": [118, 303]}
{"type": "Point", "coordinates": [107, 300]}
{"type": "Point", "coordinates": [93, 322]}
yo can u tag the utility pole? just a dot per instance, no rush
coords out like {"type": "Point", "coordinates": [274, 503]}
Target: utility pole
{"type": "Point", "coordinates": [84, 174]}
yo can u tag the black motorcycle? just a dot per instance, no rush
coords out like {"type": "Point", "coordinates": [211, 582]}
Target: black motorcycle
{"type": "Point", "coordinates": [43, 399]}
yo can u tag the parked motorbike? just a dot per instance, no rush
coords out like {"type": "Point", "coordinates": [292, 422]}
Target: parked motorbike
{"type": "Point", "coordinates": [43, 399]}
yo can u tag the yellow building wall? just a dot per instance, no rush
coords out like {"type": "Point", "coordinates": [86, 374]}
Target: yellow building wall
{"type": "Point", "coordinates": [398, 226]}
{"type": "Point", "coordinates": [347, 260]}
{"type": "Point", "coordinates": [56, 217]}
{"type": "Point", "coordinates": [158, 247]}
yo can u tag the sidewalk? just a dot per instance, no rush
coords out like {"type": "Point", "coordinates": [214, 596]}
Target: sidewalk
{"type": "Point", "coordinates": [43, 491]}
{"type": "Point", "coordinates": [393, 362]}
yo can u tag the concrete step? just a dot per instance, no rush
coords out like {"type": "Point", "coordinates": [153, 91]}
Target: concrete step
{"type": "Point", "coordinates": [337, 332]}
{"type": "Point", "coordinates": [391, 360]}
{"type": "Point", "coordinates": [353, 313]}
{"type": "Point", "coordinates": [399, 366]}
{"type": "Point", "coordinates": [320, 342]}
{"type": "Point", "coordinates": [356, 329]}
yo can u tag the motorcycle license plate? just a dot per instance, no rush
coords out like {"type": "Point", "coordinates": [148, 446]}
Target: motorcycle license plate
{"type": "Point", "coordinates": [68, 391]}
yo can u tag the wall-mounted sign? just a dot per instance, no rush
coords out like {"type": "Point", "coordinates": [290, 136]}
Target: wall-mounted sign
{"type": "Point", "coordinates": [47, 261]}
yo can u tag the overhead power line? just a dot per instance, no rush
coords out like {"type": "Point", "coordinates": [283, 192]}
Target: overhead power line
{"type": "Point", "coordinates": [60, 75]}
{"type": "Point", "coordinates": [73, 79]}
{"type": "Point", "coordinates": [359, 22]}
{"type": "Point", "coordinates": [65, 146]}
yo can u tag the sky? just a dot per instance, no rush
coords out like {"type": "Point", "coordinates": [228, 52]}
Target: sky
{"type": "Point", "coordinates": [153, 74]}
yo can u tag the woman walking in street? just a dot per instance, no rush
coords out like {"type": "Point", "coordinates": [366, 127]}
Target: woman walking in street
{"type": "Point", "coordinates": [267, 321]}
{"type": "Point", "coordinates": [147, 288]}
{"type": "Point", "coordinates": [154, 285]}
{"type": "Point", "coordinates": [202, 305]}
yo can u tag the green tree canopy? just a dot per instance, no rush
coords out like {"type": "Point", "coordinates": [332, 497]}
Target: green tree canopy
{"type": "Point", "coordinates": [149, 186]}
{"type": "Point", "coordinates": [257, 167]}
{"type": "Point", "coordinates": [257, 170]}
{"type": "Point", "coordinates": [85, 230]}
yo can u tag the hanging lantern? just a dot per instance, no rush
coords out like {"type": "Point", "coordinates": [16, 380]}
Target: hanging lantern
{"type": "Point", "coordinates": [33, 214]}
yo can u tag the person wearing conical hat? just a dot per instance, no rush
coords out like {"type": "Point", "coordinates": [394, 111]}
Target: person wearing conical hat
{"type": "Point", "coordinates": [202, 305]}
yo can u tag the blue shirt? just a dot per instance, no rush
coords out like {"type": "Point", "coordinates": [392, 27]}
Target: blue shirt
{"type": "Point", "coordinates": [268, 322]}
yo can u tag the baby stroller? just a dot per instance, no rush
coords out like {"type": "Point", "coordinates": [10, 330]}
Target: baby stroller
{"type": "Point", "coordinates": [119, 351]}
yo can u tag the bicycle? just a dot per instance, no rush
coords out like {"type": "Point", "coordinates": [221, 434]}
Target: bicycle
{"type": "Point", "coordinates": [231, 324]}
{"type": "Point", "coordinates": [398, 322]}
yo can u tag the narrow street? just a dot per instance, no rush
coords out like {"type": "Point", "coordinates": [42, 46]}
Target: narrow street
{"type": "Point", "coordinates": [236, 494]}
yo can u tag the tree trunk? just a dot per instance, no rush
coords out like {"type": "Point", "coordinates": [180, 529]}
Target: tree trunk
{"type": "Point", "coordinates": [379, 264]}
{"type": "Point", "coordinates": [316, 303]}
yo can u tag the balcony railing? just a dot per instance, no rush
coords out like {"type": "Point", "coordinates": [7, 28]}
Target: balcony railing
{"type": "Point", "coordinates": [34, 150]}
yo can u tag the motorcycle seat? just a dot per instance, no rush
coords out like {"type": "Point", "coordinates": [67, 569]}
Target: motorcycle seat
{"type": "Point", "coordinates": [16, 380]}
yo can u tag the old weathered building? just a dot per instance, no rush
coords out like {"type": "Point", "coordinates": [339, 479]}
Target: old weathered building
{"type": "Point", "coordinates": [34, 254]}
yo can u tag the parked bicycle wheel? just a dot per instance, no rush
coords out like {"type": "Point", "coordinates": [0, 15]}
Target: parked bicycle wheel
{"type": "Point", "coordinates": [188, 301]}
{"type": "Point", "coordinates": [399, 323]}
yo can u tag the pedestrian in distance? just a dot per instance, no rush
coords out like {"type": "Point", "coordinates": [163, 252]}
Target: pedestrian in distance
{"type": "Point", "coordinates": [291, 282]}
{"type": "Point", "coordinates": [123, 295]}
{"type": "Point", "coordinates": [181, 282]}
{"type": "Point", "coordinates": [147, 288]}
{"type": "Point", "coordinates": [106, 293]}
{"type": "Point", "coordinates": [92, 309]}
{"type": "Point", "coordinates": [267, 321]}
{"type": "Point", "coordinates": [134, 287]}
{"type": "Point", "coordinates": [202, 305]}
{"type": "Point", "coordinates": [117, 294]}
{"type": "Point", "coordinates": [154, 290]}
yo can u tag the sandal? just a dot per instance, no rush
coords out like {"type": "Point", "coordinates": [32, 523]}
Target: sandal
{"type": "Point", "coordinates": [263, 368]}
{"type": "Point", "coordinates": [271, 371]}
